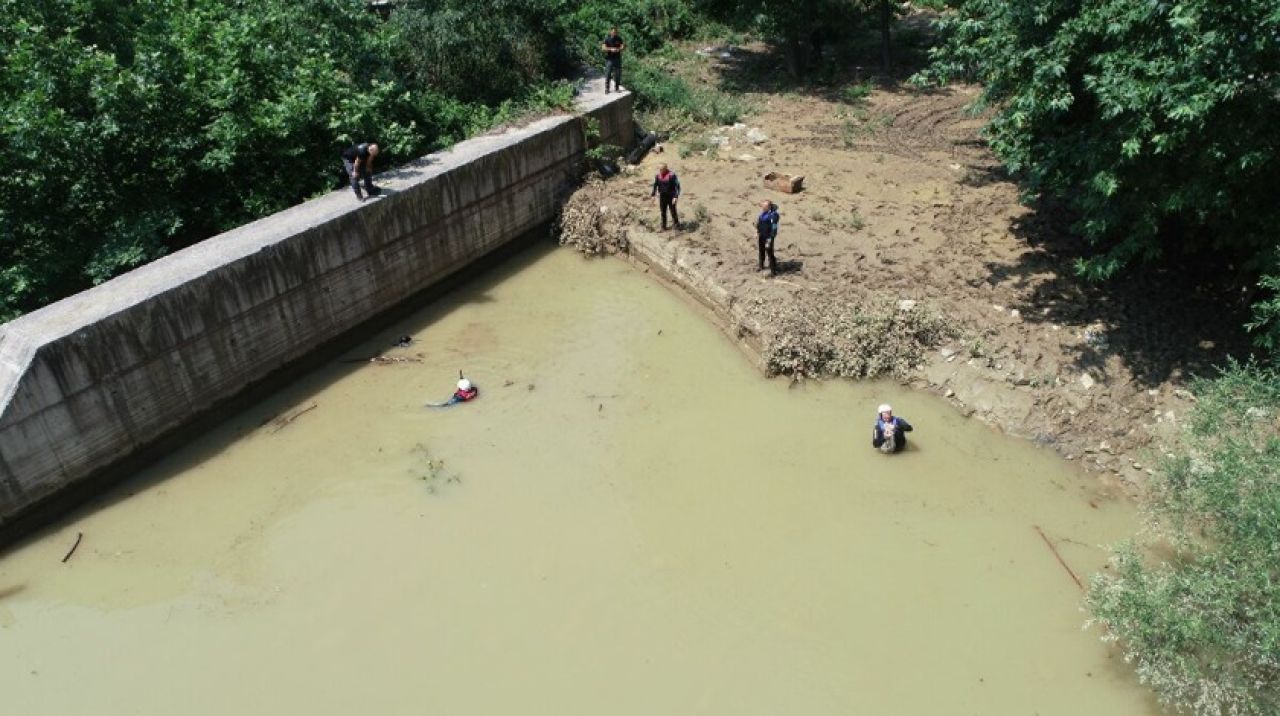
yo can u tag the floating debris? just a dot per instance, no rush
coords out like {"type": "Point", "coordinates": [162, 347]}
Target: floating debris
{"type": "Point", "coordinates": [285, 421]}
{"type": "Point", "coordinates": [431, 470]}
{"type": "Point", "coordinates": [79, 536]}
{"type": "Point", "coordinates": [583, 225]}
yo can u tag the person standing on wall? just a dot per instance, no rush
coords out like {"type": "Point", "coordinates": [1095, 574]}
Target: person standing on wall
{"type": "Point", "coordinates": [613, 46]}
{"type": "Point", "coordinates": [766, 233]}
{"type": "Point", "coordinates": [358, 161]}
{"type": "Point", "coordinates": [666, 186]}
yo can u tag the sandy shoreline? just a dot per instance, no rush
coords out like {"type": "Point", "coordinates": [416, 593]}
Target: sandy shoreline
{"type": "Point", "coordinates": [904, 205]}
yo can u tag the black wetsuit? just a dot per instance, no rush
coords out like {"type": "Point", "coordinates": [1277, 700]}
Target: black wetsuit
{"type": "Point", "coordinates": [349, 157]}
{"type": "Point", "coordinates": [668, 190]}
{"type": "Point", "coordinates": [613, 61]}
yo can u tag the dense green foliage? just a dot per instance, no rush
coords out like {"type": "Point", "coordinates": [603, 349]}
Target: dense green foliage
{"type": "Point", "coordinates": [138, 127]}
{"type": "Point", "coordinates": [1154, 119]}
{"type": "Point", "coordinates": [670, 104]}
{"type": "Point", "coordinates": [485, 51]}
{"type": "Point", "coordinates": [803, 29]}
{"type": "Point", "coordinates": [1202, 625]}
{"type": "Point", "coordinates": [1266, 316]}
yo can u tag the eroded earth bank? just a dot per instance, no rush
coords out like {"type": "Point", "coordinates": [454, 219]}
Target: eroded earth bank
{"type": "Point", "coordinates": [908, 253]}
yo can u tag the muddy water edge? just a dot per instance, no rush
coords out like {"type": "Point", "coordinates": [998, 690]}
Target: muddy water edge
{"type": "Point", "coordinates": [630, 520]}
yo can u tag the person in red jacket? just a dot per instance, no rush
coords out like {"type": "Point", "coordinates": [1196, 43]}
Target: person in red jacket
{"type": "Point", "coordinates": [465, 392]}
{"type": "Point", "coordinates": [666, 186]}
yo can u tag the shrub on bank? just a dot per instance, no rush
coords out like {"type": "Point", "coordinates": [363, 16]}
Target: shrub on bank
{"type": "Point", "coordinates": [659, 90]}
{"type": "Point", "coordinates": [828, 336]}
{"type": "Point", "coordinates": [1196, 607]}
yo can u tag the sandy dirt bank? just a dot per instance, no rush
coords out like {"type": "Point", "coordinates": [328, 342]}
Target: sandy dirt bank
{"type": "Point", "coordinates": [908, 253]}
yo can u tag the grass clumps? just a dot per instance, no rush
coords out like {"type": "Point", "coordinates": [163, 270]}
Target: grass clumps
{"type": "Point", "coordinates": [848, 221]}
{"type": "Point", "coordinates": [830, 337]}
{"type": "Point", "coordinates": [699, 145]}
{"type": "Point", "coordinates": [431, 470]}
{"type": "Point", "coordinates": [857, 93]}
{"type": "Point", "coordinates": [669, 104]}
{"type": "Point", "coordinates": [1201, 622]}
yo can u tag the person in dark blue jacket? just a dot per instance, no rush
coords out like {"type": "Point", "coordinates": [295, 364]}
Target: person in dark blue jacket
{"type": "Point", "coordinates": [889, 433]}
{"type": "Point", "coordinates": [766, 233]}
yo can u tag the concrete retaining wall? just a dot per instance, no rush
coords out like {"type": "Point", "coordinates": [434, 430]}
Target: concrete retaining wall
{"type": "Point", "coordinates": [98, 377]}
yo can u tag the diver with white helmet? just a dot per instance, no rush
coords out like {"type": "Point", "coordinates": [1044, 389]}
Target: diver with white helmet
{"type": "Point", "coordinates": [465, 392]}
{"type": "Point", "coordinates": [889, 433]}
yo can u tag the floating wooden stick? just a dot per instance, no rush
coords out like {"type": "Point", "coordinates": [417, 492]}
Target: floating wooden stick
{"type": "Point", "coordinates": [79, 536]}
{"type": "Point", "coordinates": [1061, 561]}
{"type": "Point", "coordinates": [282, 423]}
{"type": "Point", "coordinates": [385, 360]}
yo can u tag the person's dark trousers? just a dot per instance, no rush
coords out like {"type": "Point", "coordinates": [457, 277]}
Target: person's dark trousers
{"type": "Point", "coordinates": [355, 180]}
{"type": "Point", "coordinates": [666, 204]}
{"type": "Point", "coordinates": [766, 250]}
{"type": "Point", "coordinates": [613, 70]}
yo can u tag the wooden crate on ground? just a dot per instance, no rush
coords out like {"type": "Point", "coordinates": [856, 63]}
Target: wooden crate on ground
{"type": "Point", "coordinates": [784, 182]}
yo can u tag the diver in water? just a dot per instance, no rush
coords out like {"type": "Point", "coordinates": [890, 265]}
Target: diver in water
{"type": "Point", "coordinates": [465, 392]}
{"type": "Point", "coordinates": [889, 433]}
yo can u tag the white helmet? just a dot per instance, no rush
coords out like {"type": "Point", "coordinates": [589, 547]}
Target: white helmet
{"type": "Point", "coordinates": [464, 384]}
{"type": "Point", "coordinates": [884, 408]}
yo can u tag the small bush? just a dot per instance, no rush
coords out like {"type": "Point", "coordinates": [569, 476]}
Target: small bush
{"type": "Point", "coordinates": [849, 134]}
{"type": "Point", "coordinates": [698, 145]}
{"type": "Point", "coordinates": [660, 91]}
{"type": "Point", "coordinates": [852, 221]}
{"type": "Point", "coordinates": [858, 93]}
{"type": "Point", "coordinates": [823, 336]}
{"type": "Point", "coordinates": [934, 5]}
{"type": "Point", "coordinates": [1266, 316]}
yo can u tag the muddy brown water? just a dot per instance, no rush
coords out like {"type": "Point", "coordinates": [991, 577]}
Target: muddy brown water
{"type": "Point", "coordinates": [629, 521]}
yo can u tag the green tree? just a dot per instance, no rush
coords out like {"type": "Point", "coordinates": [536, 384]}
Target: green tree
{"type": "Point", "coordinates": [1155, 120]}
{"type": "Point", "coordinates": [1201, 623]}
{"type": "Point", "coordinates": [479, 50]}
{"type": "Point", "coordinates": [801, 28]}
{"type": "Point", "coordinates": [136, 128]}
